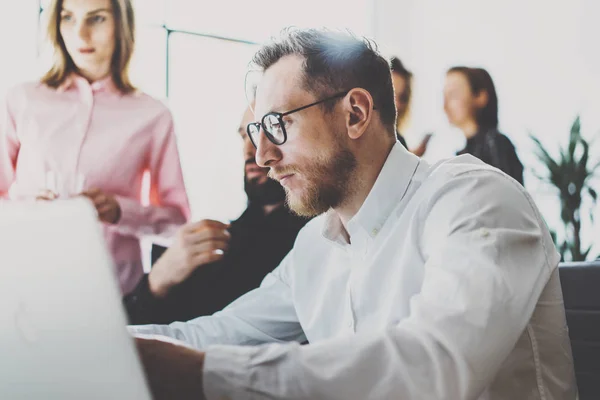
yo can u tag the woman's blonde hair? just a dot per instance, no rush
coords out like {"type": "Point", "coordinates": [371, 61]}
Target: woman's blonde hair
{"type": "Point", "coordinates": [63, 65]}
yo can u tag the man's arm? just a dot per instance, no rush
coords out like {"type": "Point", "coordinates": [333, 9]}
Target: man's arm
{"type": "Point", "coordinates": [264, 315]}
{"type": "Point", "coordinates": [141, 306]}
{"type": "Point", "coordinates": [196, 245]}
{"type": "Point", "coordinates": [173, 371]}
{"type": "Point", "coordinates": [487, 263]}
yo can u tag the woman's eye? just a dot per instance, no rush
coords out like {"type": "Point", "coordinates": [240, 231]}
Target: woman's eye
{"type": "Point", "coordinates": [97, 19]}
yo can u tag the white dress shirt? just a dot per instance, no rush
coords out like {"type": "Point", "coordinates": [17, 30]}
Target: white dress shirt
{"type": "Point", "coordinates": [448, 290]}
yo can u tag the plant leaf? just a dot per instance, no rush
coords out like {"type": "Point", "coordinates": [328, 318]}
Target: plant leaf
{"type": "Point", "coordinates": [574, 136]}
{"type": "Point", "coordinates": [565, 214]}
{"type": "Point", "coordinates": [543, 155]}
{"type": "Point", "coordinates": [562, 250]}
{"type": "Point", "coordinates": [585, 254]}
{"type": "Point", "coordinates": [553, 236]}
{"type": "Point", "coordinates": [576, 127]}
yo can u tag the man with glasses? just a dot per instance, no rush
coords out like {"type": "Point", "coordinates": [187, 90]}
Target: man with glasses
{"type": "Point", "coordinates": [415, 282]}
{"type": "Point", "coordinates": [210, 264]}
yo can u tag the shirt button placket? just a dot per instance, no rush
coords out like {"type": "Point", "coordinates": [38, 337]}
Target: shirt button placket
{"type": "Point", "coordinates": [350, 322]}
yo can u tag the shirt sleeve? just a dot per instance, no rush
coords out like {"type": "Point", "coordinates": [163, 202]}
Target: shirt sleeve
{"type": "Point", "coordinates": [9, 147]}
{"type": "Point", "coordinates": [169, 207]}
{"type": "Point", "coordinates": [486, 264]}
{"type": "Point", "coordinates": [264, 315]}
{"type": "Point", "coordinates": [141, 305]}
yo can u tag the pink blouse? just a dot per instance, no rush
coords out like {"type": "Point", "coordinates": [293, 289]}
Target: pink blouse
{"type": "Point", "coordinates": [94, 135]}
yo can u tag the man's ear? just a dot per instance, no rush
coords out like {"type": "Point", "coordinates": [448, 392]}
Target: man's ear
{"type": "Point", "coordinates": [358, 107]}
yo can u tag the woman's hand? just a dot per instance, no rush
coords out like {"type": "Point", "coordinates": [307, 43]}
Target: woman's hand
{"type": "Point", "coordinates": [46, 195]}
{"type": "Point", "coordinates": [108, 207]}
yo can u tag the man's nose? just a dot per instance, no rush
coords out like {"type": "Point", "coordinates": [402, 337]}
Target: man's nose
{"type": "Point", "coordinates": [267, 153]}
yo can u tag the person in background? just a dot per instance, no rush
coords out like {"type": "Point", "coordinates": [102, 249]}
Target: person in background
{"type": "Point", "coordinates": [210, 263]}
{"type": "Point", "coordinates": [471, 104]}
{"type": "Point", "coordinates": [402, 80]}
{"type": "Point", "coordinates": [85, 125]}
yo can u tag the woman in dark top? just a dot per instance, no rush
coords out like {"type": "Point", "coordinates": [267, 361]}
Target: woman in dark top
{"type": "Point", "coordinates": [471, 104]}
{"type": "Point", "coordinates": [402, 82]}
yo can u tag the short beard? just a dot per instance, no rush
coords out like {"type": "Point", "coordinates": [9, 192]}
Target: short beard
{"type": "Point", "coordinates": [330, 185]}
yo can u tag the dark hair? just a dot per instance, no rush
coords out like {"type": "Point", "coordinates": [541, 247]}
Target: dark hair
{"type": "Point", "coordinates": [399, 68]}
{"type": "Point", "coordinates": [480, 80]}
{"type": "Point", "coordinates": [334, 62]}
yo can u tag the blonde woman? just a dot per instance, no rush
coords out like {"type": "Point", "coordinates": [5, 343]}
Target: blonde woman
{"type": "Point", "coordinates": [87, 124]}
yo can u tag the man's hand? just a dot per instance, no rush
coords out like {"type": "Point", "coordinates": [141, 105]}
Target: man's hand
{"type": "Point", "coordinates": [108, 207]}
{"type": "Point", "coordinates": [173, 371]}
{"type": "Point", "coordinates": [196, 244]}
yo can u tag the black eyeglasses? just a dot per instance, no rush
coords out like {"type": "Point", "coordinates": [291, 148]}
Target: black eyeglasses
{"type": "Point", "coordinates": [273, 125]}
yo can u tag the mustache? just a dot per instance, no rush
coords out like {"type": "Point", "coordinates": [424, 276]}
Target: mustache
{"type": "Point", "coordinates": [275, 172]}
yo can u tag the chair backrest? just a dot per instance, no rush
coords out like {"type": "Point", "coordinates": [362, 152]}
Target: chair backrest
{"type": "Point", "coordinates": [581, 291]}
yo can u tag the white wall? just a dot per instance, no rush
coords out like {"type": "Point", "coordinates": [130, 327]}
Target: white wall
{"type": "Point", "coordinates": [543, 56]}
{"type": "Point", "coordinates": [18, 41]}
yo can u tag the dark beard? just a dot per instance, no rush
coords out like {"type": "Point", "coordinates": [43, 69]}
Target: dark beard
{"type": "Point", "coordinates": [268, 193]}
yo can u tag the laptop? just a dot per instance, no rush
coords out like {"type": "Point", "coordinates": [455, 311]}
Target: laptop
{"type": "Point", "coordinates": [62, 327]}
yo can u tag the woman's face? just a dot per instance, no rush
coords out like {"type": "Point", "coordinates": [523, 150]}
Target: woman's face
{"type": "Point", "coordinates": [87, 28]}
{"type": "Point", "coordinates": [460, 104]}
{"type": "Point", "coordinates": [401, 94]}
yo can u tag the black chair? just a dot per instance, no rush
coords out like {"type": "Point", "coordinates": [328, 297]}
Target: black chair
{"type": "Point", "coordinates": [581, 291]}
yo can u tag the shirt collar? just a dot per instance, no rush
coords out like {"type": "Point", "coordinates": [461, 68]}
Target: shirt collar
{"type": "Point", "coordinates": [389, 188]}
{"type": "Point", "coordinates": [103, 85]}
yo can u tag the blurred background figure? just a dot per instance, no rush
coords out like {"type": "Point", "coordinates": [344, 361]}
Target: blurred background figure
{"type": "Point", "coordinates": [471, 104]}
{"type": "Point", "coordinates": [211, 264]}
{"type": "Point", "coordinates": [84, 129]}
{"type": "Point", "coordinates": [402, 81]}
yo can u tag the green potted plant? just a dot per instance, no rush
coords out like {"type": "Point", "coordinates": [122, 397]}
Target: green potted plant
{"type": "Point", "coordinates": [570, 174]}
